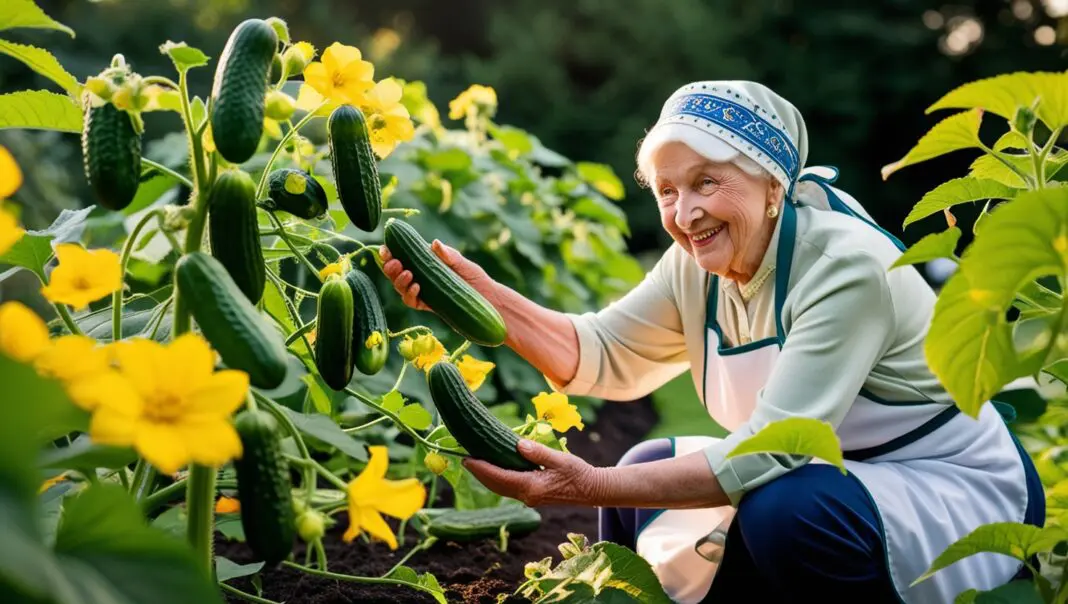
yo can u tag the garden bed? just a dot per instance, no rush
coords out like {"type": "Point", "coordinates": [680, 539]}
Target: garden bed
{"type": "Point", "coordinates": [474, 572]}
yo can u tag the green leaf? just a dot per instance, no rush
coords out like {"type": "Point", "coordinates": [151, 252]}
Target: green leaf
{"type": "Point", "coordinates": [323, 428]}
{"type": "Point", "coordinates": [225, 569]}
{"type": "Point", "coordinates": [514, 139]}
{"type": "Point", "coordinates": [230, 526]}
{"type": "Point", "coordinates": [406, 573]}
{"type": "Point", "coordinates": [447, 160]}
{"type": "Point", "coordinates": [415, 416]}
{"type": "Point", "coordinates": [935, 245]}
{"type": "Point", "coordinates": [969, 346]}
{"type": "Point", "coordinates": [1016, 592]}
{"type": "Point", "coordinates": [956, 191]}
{"type": "Point", "coordinates": [26, 13]}
{"type": "Point", "coordinates": [31, 252]}
{"type": "Point", "coordinates": [1011, 140]}
{"type": "Point", "coordinates": [149, 191]}
{"type": "Point", "coordinates": [1020, 541]}
{"type": "Point", "coordinates": [85, 454]}
{"type": "Point", "coordinates": [795, 436]}
{"type": "Point", "coordinates": [184, 56]}
{"type": "Point", "coordinates": [103, 541]}
{"type": "Point", "coordinates": [960, 131]}
{"type": "Point", "coordinates": [39, 110]}
{"type": "Point", "coordinates": [393, 401]}
{"type": "Point", "coordinates": [44, 63]}
{"type": "Point", "coordinates": [610, 572]}
{"type": "Point", "coordinates": [603, 178]}
{"type": "Point", "coordinates": [1003, 94]}
{"type": "Point", "coordinates": [596, 208]}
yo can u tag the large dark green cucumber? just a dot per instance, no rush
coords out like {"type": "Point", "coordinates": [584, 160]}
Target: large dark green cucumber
{"type": "Point", "coordinates": [355, 167]}
{"type": "Point", "coordinates": [239, 89]}
{"type": "Point", "coordinates": [111, 155]}
{"type": "Point", "coordinates": [264, 487]}
{"type": "Point", "coordinates": [333, 333]}
{"type": "Point", "coordinates": [449, 296]}
{"type": "Point", "coordinates": [470, 422]}
{"type": "Point", "coordinates": [483, 523]}
{"type": "Point", "coordinates": [369, 318]}
{"type": "Point", "coordinates": [234, 231]}
{"type": "Point", "coordinates": [232, 325]}
{"type": "Point", "coordinates": [304, 197]}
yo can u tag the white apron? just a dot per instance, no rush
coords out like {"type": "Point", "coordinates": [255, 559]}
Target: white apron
{"type": "Point", "coordinates": [934, 473]}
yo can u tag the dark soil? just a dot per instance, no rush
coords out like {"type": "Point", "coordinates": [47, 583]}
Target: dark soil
{"type": "Point", "coordinates": [473, 572]}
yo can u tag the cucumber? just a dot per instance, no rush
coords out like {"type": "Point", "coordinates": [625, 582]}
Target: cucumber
{"type": "Point", "coordinates": [457, 303]}
{"type": "Point", "coordinates": [333, 333]}
{"type": "Point", "coordinates": [232, 325]}
{"type": "Point", "coordinates": [470, 422]}
{"type": "Point", "coordinates": [111, 155]}
{"type": "Point", "coordinates": [368, 318]}
{"type": "Point", "coordinates": [483, 523]}
{"type": "Point", "coordinates": [239, 89]}
{"type": "Point", "coordinates": [303, 197]}
{"type": "Point", "coordinates": [264, 487]}
{"type": "Point", "coordinates": [235, 233]}
{"type": "Point", "coordinates": [355, 168]}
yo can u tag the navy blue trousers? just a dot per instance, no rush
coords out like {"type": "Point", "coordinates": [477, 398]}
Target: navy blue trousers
{"type": "Point", "coordinates": [813, 531]}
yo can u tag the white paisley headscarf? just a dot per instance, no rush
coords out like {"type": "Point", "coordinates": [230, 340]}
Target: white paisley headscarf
{"type": "Point", "coordinates": [750, 125]}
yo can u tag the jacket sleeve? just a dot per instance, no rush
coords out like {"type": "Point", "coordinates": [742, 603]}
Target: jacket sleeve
{"type": "Point", "coordinates": [839, 323]}
{"type": "Point", "coordinates": [634, 345]}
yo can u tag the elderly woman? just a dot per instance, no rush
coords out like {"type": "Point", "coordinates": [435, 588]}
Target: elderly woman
{"type": "Point", "coordinates": [777, 295]}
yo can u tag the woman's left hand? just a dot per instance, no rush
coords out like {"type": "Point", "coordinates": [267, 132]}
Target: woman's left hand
{"type": "Point", "coordinates": [566, 478]}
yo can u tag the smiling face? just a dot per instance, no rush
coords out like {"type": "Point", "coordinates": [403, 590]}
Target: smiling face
{"type": "Point", "coordinates": [716, 211]}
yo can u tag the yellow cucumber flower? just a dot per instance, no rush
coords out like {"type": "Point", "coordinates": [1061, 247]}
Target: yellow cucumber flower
{"type": "Point", "coordinates": [389, 120]}
{"type": "Point", "coordinates": [10, 174]}
{"type": "Point", "coordinates": [182, 407]}
{"type": "Point", "coordinates": [23, 334]}
{"type": "Point", "coordinates": [10, 231]}
{"type": "Point", "coordinates": [83, 276]}
{"type": "Point", "coordinates": [227, 505]}
{"type": "Point", "coordinates": [373, 340]}
{"type": "Point", "coordinates": [554, 408]}
{"type": "Point", "coordinates": [371, 495]}
{"type": "Point", "coordinates": [341, 77]}
{"type": "Point", "coordinates": [475, 100]}
{"type": "Point", "coordinates": [428, 350]}
{"type": "Point", "coordinates": [474, 370]}
{"type": "Point", "coordinates": [85, 370]}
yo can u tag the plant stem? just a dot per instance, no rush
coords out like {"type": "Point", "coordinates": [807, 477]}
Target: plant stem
{"type": "Point", "coordinates": [296, 335]}
{"type": "Point", "coordinates": [168, 171]}
{"type": "Point", "coordinates": [67, 319]}
{"type": "Point", "coordinates": [318, 467]}
{"type": "Point", "coordinates": [245, 596]}
{"type": "Point", "coordinates": [150, 503]}
{"type": "Point", "coordinates": [403, 426]}
{"type": "Point", "coordinates": [456, 353]}
{"type": "Point", "coordinates": [1007, 163]}
{"type": "Point", "coordinates": [159, 320]}
{"type": "Point", "coordinates": [422, 545]}
{"type": "Point", "coordinates": [354, 579]}
{"type": "Point", "coordinates": [122, 478]}
{"type": "Point", "coordinates": [159, 80]}
{"type": "Point", "coordinates": [285, 238]}
{"type": "Point", "coordinates": [281, 144]}
{"type": "Point", "coordinates": [397, 334]}
{"type": "Point", "coordinates": [320, 554]}
{"type": "Point", "coordinates": [200, 496]}
{"type": "Point", "coordinates": [116, 298]}
{"type": "Point", "coordinates": [364, 426]}
{"type": "Point", "coordinates": [1040, 159]}
{"type": "Point", "coordinates": [138, 473]}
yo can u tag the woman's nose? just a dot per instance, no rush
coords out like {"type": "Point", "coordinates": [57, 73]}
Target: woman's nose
{"type": "Point", "coordinates": [687, 212]}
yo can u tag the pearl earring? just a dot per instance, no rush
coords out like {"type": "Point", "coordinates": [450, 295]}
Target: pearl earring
{"type": "Point", "coordinates": [773, 211]}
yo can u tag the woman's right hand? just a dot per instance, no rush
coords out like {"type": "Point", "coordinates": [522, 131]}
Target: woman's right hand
{"type": "Point", "coordinates": [404, 281]}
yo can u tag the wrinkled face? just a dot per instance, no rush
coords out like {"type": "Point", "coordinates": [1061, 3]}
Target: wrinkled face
{"type": "Point", "coordinates": [716, 211]}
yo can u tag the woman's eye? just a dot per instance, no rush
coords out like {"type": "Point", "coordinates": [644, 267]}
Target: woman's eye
{"type": "Point", "coordinates": [707, 182]}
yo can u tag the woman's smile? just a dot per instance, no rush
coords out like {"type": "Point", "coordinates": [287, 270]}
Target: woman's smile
{"type": "Point", "coordinates": [706, 237]}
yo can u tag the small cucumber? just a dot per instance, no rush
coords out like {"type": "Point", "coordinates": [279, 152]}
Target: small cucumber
{"type": "Point", "coordinates": [355, 167]}
{"type": "Point", "coordinates": [297, 192]}
{"type": "Point", "coordinates": [234, 231]}
{"type": "Point", "coordinates": [333, 333]}
{"type": "Point", "coordinates": [484, 523]}
{"type": "Point", "coordinates": [450, 297]}
{"type": "Point", "coordinates": [264, 487]}
{"type": "Point", "coordinates": [369, 318]}
{"type": "Point", "coordinates": [470, 422]}
{"type": "Point", "coordinates": [233, 326]}
{"type": "Point", "coordinates": [111, 154]}
{"type": "Point", "coordinates": [239, 89]}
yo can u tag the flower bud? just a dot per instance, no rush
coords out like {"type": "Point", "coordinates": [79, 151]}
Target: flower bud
{"type": "Point", "coordinates": [311, 526]}
{"type": "Point", "coordinates": [297, 57]}
{"type": "Point", "coordinates": [279, 105]}
{"type": "Point", "coordinates": [1024, 121]}
{"type": "Point", "coordinates": [101, 87]}
{"type": "Point", "coordinates": [407, 348]}
{"type": "Point", "coordinates": [280, 28]}
{"type": "Point", "coordinates": [436, 462]}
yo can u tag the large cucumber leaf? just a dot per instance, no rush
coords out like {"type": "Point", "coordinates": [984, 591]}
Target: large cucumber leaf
{"type": "Point", "coordinates": [26, 13]}
{"type": "Point", "coordinates": [957, 191]}
{"type": "Point", "coordinates": [795, 436]}
{"type": "Point", "coordinates": [44, 63]}
{"type": "Point", "coordinates": [39, 110]}
{"type": "Point", "coordinates": [1003, 94]}
{"type": "Point", "coordinates": [954, 133]}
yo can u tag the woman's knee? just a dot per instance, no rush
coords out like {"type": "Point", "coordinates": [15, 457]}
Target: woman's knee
{"type": "Point", "coordinates": [648, 450]}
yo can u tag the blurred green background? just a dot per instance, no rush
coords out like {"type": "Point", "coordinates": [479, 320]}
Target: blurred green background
{"type": "Point", "coordinates": [588, 77]}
